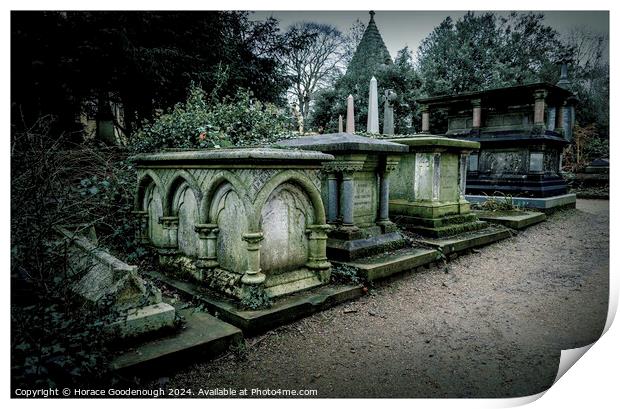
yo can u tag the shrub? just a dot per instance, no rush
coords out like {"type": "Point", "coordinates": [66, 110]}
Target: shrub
{"type": "Point", "coordinates": [202, 122]}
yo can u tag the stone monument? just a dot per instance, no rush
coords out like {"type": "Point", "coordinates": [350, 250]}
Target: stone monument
{"type": "Point", "coordinates": [522, 131]}
{"type": "Point", "coordinates": [340, 130]}
{"type": "Point", "coordinates": [236, 218]}
{"type": "Point", "coordinates": [372, 123]}
{"type": "Point", "coordinates": [350, 115]}
{"type": "Point", "coordinates": [388, 112]}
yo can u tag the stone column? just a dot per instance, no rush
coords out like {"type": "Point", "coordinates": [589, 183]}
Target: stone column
{"type": "Point", "coordinates": [332, 199]}
{"type": "Point", "coordinates": [560, 120]}
{"type": "Point", "coordinates": [347, 189]}
{"type": "Point", "coordinates": [350, 115]}
{"type": "Point", "coordinates": [317, 249]}
{"type": "Point", "coordinates": [426, 123]}
{"type": "Point", "coordinates": [207, 252]}
{"type": "Point", "coordinates": [142, 234]}
{"type": "Point", "coordinates": [253, 275]}
{"type": "Point", "coordinates": [170, 225]}
{"type": "Point", "coordinates": [476, 113]}
{"type": "Point", "coordinates": [539, 107]}
{"type": "Point", "coordinates": [551, 119]}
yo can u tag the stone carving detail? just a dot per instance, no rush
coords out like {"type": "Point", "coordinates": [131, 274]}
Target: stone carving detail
{"type": "Point", "coordinates": [502, 162]}
{"type": "Point", "coordinates": [285, 216]}
{"type": "Point", "coordinates": [344, 166]}
{"type": "Point", "coordinates": [552, 163]}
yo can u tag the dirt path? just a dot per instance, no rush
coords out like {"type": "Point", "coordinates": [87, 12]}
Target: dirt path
{"type": "Point", "coordinates": [492, 326]}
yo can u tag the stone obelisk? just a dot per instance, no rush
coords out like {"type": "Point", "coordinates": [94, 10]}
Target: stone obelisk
{"type": "Point", "coordinates": [372, 125]}
{"type": "Point", "coordinates": [350, 115]}
{"type": "Point", "coordinates": [340, 130]}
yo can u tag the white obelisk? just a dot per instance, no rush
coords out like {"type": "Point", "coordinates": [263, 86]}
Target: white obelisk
{"type": "Point", "coordinates": [350, 115]}
{"type": "Point", "coordinates": [372, 125]}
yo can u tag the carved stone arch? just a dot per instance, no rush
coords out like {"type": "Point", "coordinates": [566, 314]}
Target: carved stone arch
{"type": "Point", "coordinates": [295, 178]}
{"type": "Point", "coordinates": [185, 206]}
{"type": "Point", "coordinates": [147, 179]}
{"type": "Point", "coordinates": [221, 178]}
{"type": "Point", "coordinates": [176, 182]}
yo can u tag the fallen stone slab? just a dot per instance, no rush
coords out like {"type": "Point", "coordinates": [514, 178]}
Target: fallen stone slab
{"type": "Point", "coordinates": [466, 241]}
{"type": "Point", "coordinates": [388, 264]}
{"type": "Point", "coordinates": [514, 219]}
{"type": "Point", "coordinates": [283, 311]}
{"type": "Point", "coordinates": [203, 336]}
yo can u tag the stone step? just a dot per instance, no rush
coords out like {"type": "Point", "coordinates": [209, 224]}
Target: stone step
{"type": "Point", "coordinates": [284, 310]}
{"type": "Point", "coordinates": [450, 230]}
{"type": "Point", "coordinates": [514, 219]}
{"type": "Point", "coordinates": [202, 336]}
{"type": "Point", "coordinates": [411, 221]}
{"type": "Point", "coordinates": [469, 240]}
{"type": "Point", "coordinates": [388, 264]}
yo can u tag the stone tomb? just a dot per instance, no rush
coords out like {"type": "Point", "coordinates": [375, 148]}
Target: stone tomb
{"type": "Point", "coordinates": [235, 218]}
{"type": "Point", "coordinates": [428, 188]}
{"type": "Point", "coordinates": [355, 191]}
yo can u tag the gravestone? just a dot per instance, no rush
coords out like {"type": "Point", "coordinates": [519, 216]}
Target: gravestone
{"type": "Point", "coordinates": [355, 189]}
{"type": "Point", "coordinates": [388, 112]}
{"type": "Point", "coordinates": [236, 218]}
{"type": "Point", "coordinates": [372, 123]}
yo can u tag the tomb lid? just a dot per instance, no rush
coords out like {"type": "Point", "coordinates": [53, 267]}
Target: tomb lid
{"type": "Point", "coordinates": [343, 142]}
{"type": "Point", "coordinates": [513, 94]}
{"type": "Point", "coordinates": [427, 140]}
{"type": "Point", "coordinates": [236, 155]}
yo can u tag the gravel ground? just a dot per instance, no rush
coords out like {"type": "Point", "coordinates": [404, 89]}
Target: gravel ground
{"type": "Point", "coordinates": [493, 325]}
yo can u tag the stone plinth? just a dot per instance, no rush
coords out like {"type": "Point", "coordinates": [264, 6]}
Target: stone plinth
{"type": "Point", "coordinates": [355, 190]}
{"type": "Point", "coordinates": [236, 218]}
{"type": "Point", "coordinates": [428, 187]}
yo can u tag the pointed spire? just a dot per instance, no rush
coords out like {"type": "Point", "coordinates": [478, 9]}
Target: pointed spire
{"type": "Point", "coordinates": [371, 52]}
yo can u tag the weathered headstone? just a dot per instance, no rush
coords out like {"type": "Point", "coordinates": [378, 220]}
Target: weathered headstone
{"type": "Point", "coordinates": [388, 112]}
{"type": "Point", "coordinates": [350, 115]}
{"type": "Point", "coordinates": [235, 218]}
{"type": "Point", "coordinates": [372, 123]}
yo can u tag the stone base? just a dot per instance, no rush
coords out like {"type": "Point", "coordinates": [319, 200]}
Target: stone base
{"type": "Point", "coordinates": [140, 321]}
{"type": "Point", "coordinates": [466, 241]}
{"type": "Point", "coordinates": [347, 250]}
{"type": "Point", "coordinates": [514, 219]}
{"type": "Point", "coordinates": [427, 209]}
{"type": "Point", "coordinates": [283, 311]}
{"type": "Point", "coordinates": [441, 226]}
{"type": "Point", "coordinates": [388, 264]}
{"type": "Point", "coordinates": [203, 336]}
{"type": "Point", "coordinates": [543, 204]}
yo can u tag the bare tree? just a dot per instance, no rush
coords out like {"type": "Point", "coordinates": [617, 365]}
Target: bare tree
{"type": "Point", "coordinates": [313, 60]}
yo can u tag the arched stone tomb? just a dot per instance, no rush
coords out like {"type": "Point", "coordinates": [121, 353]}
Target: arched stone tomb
{"type": "Point", "coordinates": [232, 218]}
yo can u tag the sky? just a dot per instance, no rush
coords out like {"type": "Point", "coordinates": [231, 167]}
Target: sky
{"type": "Point", "coordinates": [409, 28]}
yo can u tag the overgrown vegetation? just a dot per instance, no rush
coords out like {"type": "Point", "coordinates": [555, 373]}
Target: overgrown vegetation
{"type": "Point", "coordinates": [345, 274]}
{"type": "Point", "coordinates": [498, 203]}
{"type": "Point", "coordinates": [255, 298]}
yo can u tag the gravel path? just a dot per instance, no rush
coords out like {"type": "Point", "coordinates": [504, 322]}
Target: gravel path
{"type": "Point", "coordinates": [493, 325]}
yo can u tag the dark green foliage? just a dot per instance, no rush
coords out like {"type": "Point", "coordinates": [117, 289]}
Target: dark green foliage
{"type": "Point", "coordinates": [255, 298]}
{"type": "Point", "coordinates": [343, 273]}
{"type": "Point", "coordinates": [143, 60]}
{"type": "Point", "coordinates": [205, 122]}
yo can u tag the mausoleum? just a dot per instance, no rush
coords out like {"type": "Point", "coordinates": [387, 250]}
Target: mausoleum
{"type": "Point", "coordinates": [236, 218]}
{"type": "Point", "coordinates": [522, 131]}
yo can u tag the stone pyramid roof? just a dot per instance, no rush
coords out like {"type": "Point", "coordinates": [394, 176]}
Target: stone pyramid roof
{"type": "Point", "coordinates": [371, 51]}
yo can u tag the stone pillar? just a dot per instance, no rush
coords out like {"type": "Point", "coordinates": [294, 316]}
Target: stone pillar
{"type": "Point", "coordinates": [317, 248]}
{"type": "Point", "coordinates": [551, 119]}
{"type": "Point", "coordinates": [332, 199]}
{"type": "Point", "coordinates": [462, 174]}
{"type": "Point", "coordinates": [253, 275]}
{"type": "Point", "coordinates": [170, 225]}
{"type": "Point", "coordinates": [426, 123]}
{"type": "Point", "coordinates": [476, 113]}
{"type": "Point", "coordinates": [142, 234]}
{"type": "Point", "coordinates": [350, 115]}
{"type": "Point", "coordinates": [207, 252]}
{"type": "Point", "coordinates": [539, 107]}
{"type": "Point", "coordinates": [560, 120]}
{"type": "Point", "coordinates": [436, 189]}
{"type": "Point", "coordinates": [372, 123]}
{"type": "Point", "coordinates": [347, 189]}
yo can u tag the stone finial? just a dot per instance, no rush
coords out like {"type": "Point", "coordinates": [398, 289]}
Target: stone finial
{"type": "Point", "coordinates": [350, 115]}
{"type": "Point", "coordinates": [372, 124]}
{"type": "Point", "coordinates": [340, 129]}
